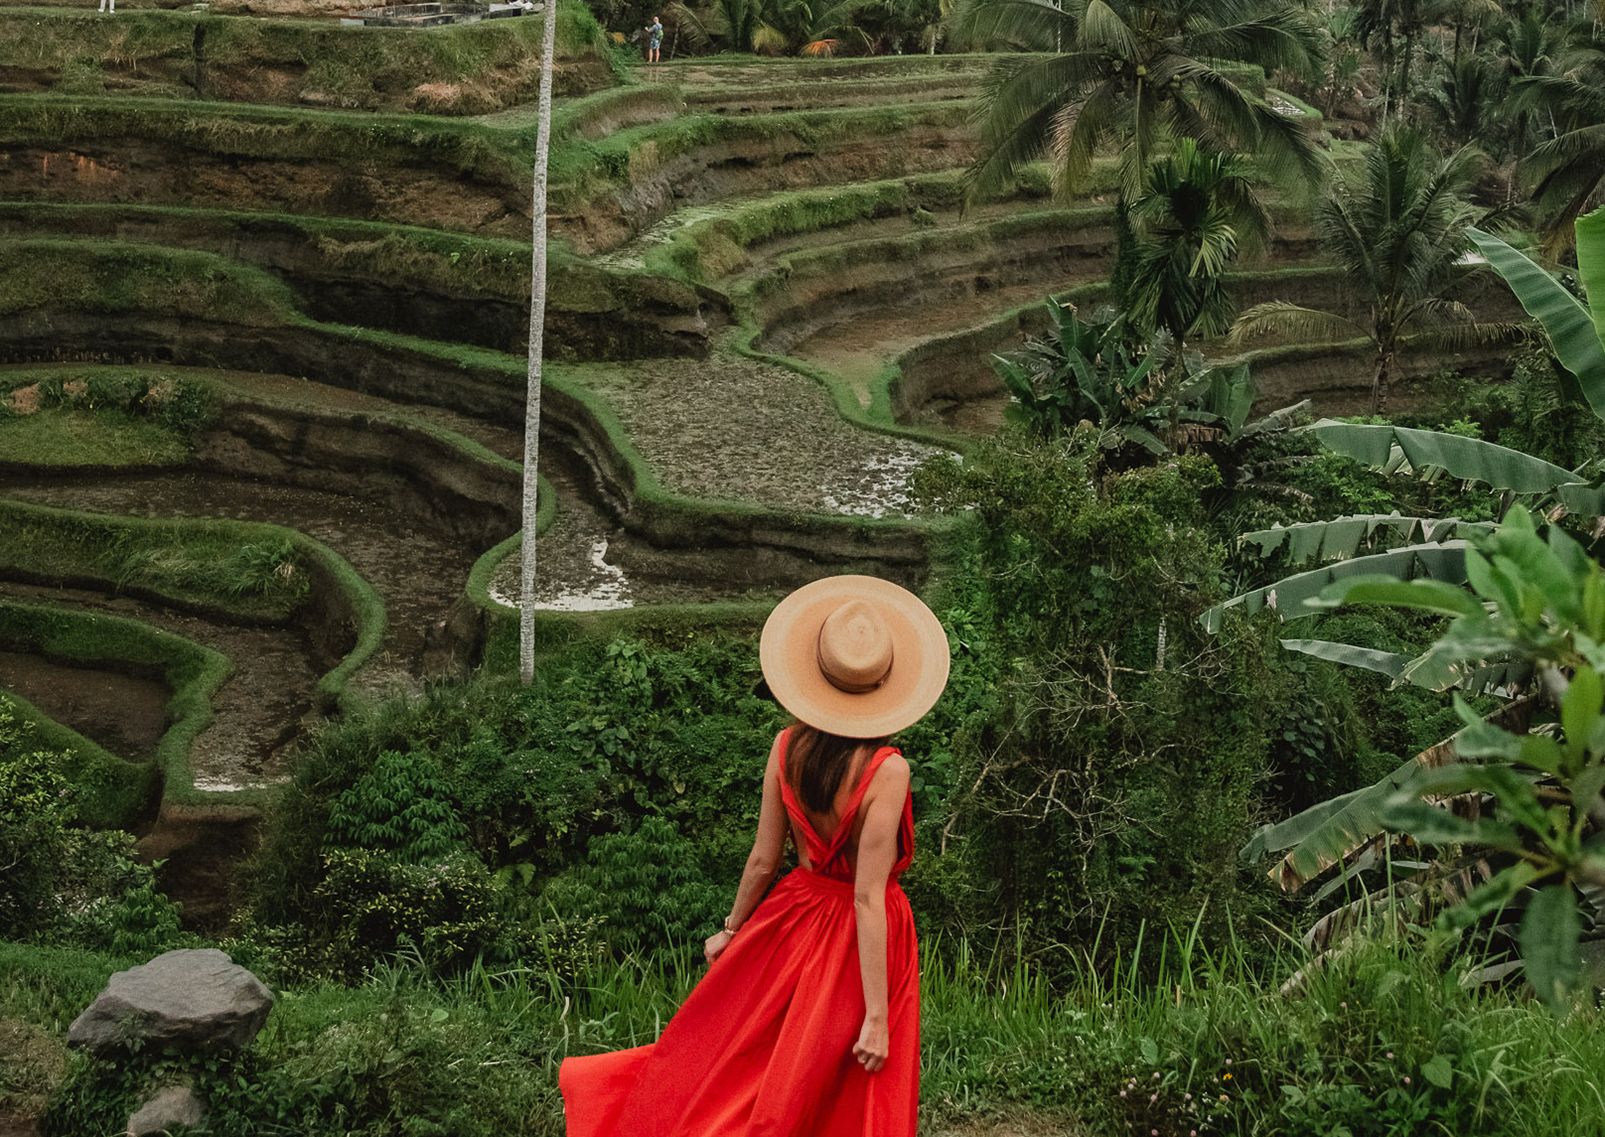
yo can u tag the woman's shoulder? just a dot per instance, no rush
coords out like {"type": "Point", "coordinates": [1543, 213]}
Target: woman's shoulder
{"type": "Point", "coordinates": [893, 768]}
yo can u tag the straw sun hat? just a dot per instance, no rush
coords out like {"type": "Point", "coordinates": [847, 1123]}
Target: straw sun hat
{"type": "Point", "coordinates": [855, 656]}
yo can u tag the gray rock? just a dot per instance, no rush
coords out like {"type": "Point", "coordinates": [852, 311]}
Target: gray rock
{"type": "Point", "coordinates": [168, 1110]}
{"type": "Point", "coordinates": [184, 1000]}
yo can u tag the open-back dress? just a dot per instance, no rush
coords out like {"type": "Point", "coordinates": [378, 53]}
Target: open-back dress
{"type": "Point", "coordinates": [762, 1047]}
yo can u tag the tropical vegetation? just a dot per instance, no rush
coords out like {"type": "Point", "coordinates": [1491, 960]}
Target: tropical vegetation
{"type": "Point", "coordinates": [1228, 376]}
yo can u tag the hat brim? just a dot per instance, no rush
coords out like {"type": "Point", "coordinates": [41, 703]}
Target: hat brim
{"type": "Point", "coordinates": [789, 655]}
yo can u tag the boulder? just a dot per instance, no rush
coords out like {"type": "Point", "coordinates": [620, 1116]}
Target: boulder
{"type": "Point", "coordinates": [182, 1000]}
{"type": "Point", "coordinates": [170, 1109]}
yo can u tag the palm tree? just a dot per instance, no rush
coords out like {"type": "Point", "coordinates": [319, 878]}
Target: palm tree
{"type": "Point", "coordinates": [1399, 235]}
{"type": "Point", "coordinates": [1138, 75]}
{"type": "Point", "coordinates": [1570, 167]}
{"type": "Point", "coordinates": [537, 335]}
{"type": "Point", "coordinates": [1199, 212]}
{"type": "Point", "coordinates": [1465, 100]}
{"type": "Point", "coordinates": [1526, 48]}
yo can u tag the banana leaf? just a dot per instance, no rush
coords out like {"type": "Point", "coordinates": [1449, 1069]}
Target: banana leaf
{"type": "Point", "coordinates": [1289, 596]}
{"type": "Point", "coordinates": [1591, 265]}
{"type": "Point", "coordinates": [1343, 536]}
{"type": "Point", "coordinates": [1330, 833]}
{"type": "Point", "coordinates": [1569, 324]}
{"type": "Point", "coordinates": [1389, 663]}
{"type": "Point", "coordinates": [1469, 459]}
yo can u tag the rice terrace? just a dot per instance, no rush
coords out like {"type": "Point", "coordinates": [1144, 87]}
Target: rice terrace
{"type": "Point", "coordinates": [1226, 376]}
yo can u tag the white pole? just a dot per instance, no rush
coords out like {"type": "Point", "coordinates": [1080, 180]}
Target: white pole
{"type": "Point", "coordinates": [537, 330]}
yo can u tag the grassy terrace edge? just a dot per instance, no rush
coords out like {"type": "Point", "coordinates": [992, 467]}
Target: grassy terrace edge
{"type": "Point", "coordinates": [341, 591]}
{"type": "Point", "coordinates": [192, 672]}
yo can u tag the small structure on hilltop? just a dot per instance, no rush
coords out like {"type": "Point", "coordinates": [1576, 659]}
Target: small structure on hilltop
{"type": "Point", "coordinates": [436, 12]}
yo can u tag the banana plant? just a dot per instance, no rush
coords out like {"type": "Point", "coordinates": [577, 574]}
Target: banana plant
{"type": "Point", "coordinates": [1576, 333]}
{"type": "Point", "coordinates": [1528, 803]}
{"type": "Point", "coordinates": [1137, 392]}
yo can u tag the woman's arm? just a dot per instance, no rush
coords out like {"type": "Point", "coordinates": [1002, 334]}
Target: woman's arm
{"type": "Point", "coordinates": [877, 852]}
{"type": "Point", "coordinates": [764, 860]}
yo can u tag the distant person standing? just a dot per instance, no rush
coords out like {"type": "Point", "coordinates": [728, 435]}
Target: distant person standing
{"type": "Point", "coordinates": [109, 6]}
{"type": "Point", "coordinates": [654, 40]}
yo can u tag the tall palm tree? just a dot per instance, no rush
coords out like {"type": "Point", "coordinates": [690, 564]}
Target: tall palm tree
{"type": "Point", "coordinates": [1200, 210]}
{"type": "Point", "coordinates": [1465, 98]}
{"type": "Point", "coordinates": [1137, 75]}
{"type": "Point", "coordinates": [1569, 168]}
{"type": "Point", "coordinates": [537, 336]}
{"type": "Point", "coordinates": [1399, 235]}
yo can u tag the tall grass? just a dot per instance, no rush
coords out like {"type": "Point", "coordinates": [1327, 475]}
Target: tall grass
{"type": "Point", "coordinates": [1177, 1036]}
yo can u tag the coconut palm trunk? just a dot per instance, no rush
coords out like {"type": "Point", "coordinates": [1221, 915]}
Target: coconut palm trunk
{"type": "Point", "coordinates": [537, 336]}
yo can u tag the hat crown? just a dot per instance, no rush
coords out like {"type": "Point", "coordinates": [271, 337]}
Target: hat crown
{"type": "Point", "coordinates": [855, 648]}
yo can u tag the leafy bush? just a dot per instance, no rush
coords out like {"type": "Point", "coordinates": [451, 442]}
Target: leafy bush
{"type": "Point", "coordinates": [400, 808]}
{"type": "Point", "coordinates": [370, 905]}
{"type": "Point", "coordinates": [1124, 760]}
{"type": "Point", "coordinates": [643, 888]}
{"type": "Point", "coordinates": [63, 883]}
{"type": "Point", "coordinates": [526, 781]}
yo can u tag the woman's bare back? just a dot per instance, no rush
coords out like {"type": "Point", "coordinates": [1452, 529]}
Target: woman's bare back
{"type": "Point", "coordinates": [825, 824]}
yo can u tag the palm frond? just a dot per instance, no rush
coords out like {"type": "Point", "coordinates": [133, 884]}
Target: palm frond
{"type": "Point", "coordinates": [1286, 318]}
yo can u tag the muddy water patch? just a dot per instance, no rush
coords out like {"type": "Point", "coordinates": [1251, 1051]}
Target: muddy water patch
{"type": "Point", "coordinates": [733, 428]}
{"type": "Point", "coordinates": [127, 714]}
{"type": "Point", "coordinates": [262, 709]}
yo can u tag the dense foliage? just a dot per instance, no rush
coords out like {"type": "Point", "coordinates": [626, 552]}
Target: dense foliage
{"type": "Point", "coordinates": [61, 882]}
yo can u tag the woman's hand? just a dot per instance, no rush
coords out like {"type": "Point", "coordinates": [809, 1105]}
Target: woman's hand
{"type": "Point", "coordinates": [716, 944]}
{"type": "Point", "coordinates": [874, 1043]}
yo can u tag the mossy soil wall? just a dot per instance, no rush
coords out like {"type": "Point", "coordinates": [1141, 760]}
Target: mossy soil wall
{"type": "Point", "coordinates": [670, 536]}
{"type": "Point", "coordinates": [810, 290]}
{"type": "Point", "coordinates": [445, 173]}
{"type": "Point", "coordinates": [458, 69]}
{"type": "Point", "coordinates": [438, 173]}
{"type": "Point", "coordinates": [442, 286]}
{"type": "Point", "coordinates": [605, 192]}
{"type": "Point", "coordinates": [955, 368]}
{"type": "Point", "coordinates": [190, 671]}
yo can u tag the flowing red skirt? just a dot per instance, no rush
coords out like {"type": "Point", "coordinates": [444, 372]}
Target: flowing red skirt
{"type": "Point", "coordinates": [762, 1047]}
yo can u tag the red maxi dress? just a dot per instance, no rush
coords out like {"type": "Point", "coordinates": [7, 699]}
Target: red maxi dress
{"type": "Point", "coordinates": [762, 1047]}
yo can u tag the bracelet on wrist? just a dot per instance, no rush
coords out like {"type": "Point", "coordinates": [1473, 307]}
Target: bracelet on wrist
{"type": "Point", "coordinates": [727, 928]}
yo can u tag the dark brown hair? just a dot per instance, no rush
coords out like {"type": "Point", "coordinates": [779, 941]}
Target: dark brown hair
{"type": "Point", "coordinates": [817, 762]}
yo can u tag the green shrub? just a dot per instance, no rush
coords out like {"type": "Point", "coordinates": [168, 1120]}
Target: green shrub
{"type": "Point", "coordinates": [1123, 763]}
{"type": "Point", "coordinates": [62, 883]}
{"type": "Point", "coordinates": [371, 905]}
{"type": "Point", "coordinates": [399, 808]}
{"type": "Point", "coordinates": [608, 736]}
{"type": "Point", "coordinates": [643, 888]}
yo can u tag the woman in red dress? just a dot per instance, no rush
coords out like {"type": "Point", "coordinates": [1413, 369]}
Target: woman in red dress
{"type": "Point", "coordinates": [806, 1023]}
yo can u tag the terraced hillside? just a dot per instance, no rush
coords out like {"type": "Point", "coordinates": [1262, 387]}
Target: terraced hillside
{"type": "Point", "coordinates": [263, 287]}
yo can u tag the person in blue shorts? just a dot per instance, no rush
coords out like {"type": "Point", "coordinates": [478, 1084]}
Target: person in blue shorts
{"type": "Point", "coordinates": [654, 40]}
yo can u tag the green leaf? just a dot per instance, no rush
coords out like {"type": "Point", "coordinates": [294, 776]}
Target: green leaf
{"type": "Point", "coordinates": [1345, 536]}
{"type": "Point", "coordinates": [1292, 596]}
{"type": "Point", "coordinates": [1580, 712]}
{"type": "Point", "coordinates": [1587, 786]}
{"type": "Point", "coordinates": [1439, 1071]}
{"type": "Point", "coordinates": [1591, 264]}
{"type": "Point", "coordinates": [1469, 459]}
{"type": "Point", "coordinates": [1549, 934]}
{"type": "Point", "coordinates": [1430, 825]}
{"type": "Point", "coordinates": [1489, 898]}
{"type": "Point", "coordinates": [1570, 326]}
{"type": "Point", "coordinates": [1421, 595]}
{"type": "Point", "coordinates": [1388, 663]}
{"type": "Point", "coordinates": [1514, 792]}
